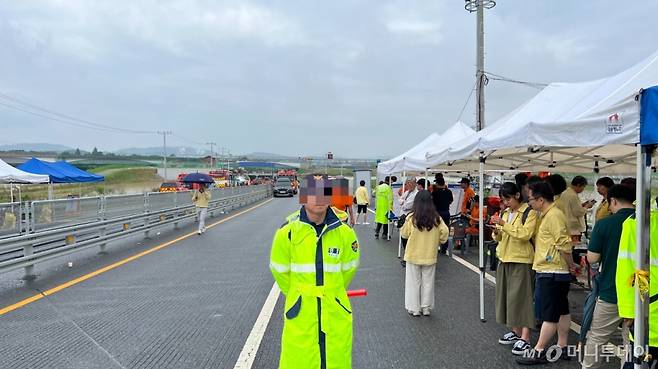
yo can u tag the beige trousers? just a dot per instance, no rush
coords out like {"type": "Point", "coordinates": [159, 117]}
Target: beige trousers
{"type": "Point", "coordinates": [419, 286]}
{"type": "Point", "coordinates": [604, 325]}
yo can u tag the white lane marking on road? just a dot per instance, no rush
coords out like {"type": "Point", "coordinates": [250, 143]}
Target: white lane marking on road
{"type": "Point", "coordinates": [574, 326]}
{"type": "Point", "coordinates": [250, 349]}
{"type": "Point", "coordinates": [472, 267]}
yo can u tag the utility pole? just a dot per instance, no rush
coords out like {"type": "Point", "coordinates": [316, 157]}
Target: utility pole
{"type": "Point", "coordinates": [479, 6]}
{"type": "Point", "coordinates": [212, 145]}
{"type": "Point", "coordinates": [164, 150]}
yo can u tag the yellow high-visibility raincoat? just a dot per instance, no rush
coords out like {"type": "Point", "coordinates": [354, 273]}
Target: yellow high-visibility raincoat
{"type": "Point", "coordinates": [384, 203]}
{"type": "Point", "coordinates": [313, 267]}
{"type": "Point", "coordinates": [626, 267]}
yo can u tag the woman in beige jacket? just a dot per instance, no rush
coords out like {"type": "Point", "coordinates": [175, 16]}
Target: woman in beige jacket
{"type": "Point", "coordinates": [425, 231]}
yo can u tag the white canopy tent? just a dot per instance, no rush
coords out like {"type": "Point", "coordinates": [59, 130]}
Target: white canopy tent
{"type": "Point", "coordinates": [567, 127]}
{"type": "Point", "coordinates": [9, 174]}
{"type": "Point", "coordinates": [608, 125]}
{"type": "Point", "coordinates": [413, 160]}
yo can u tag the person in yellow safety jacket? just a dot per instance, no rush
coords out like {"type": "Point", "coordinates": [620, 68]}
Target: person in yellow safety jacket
{"type": "Point", "coordinates": [383, 204]}
{"type": "Point", "coordinates": [626, 268]}
{"type": "Point", "coordinates": [9, 221]}
{"type": "Point", "coordinates": [314, 257]}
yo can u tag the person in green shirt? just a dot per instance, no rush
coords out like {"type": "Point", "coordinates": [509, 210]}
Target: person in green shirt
{"type": "Point", "coordinates": [603, 248]}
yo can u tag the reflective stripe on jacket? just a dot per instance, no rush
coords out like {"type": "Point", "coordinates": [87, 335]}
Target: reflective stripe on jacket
{"type": "Point", "coordinates": [626, 267]}
{"type": "Point", "coordinates": [313, 272]}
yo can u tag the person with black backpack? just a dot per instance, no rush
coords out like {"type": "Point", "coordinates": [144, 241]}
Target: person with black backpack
{"type": "Point", "coordinates": [514, 230]}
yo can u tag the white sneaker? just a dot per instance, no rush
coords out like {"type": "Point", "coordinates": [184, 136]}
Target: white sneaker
{"type": "Point", "coordinates": [366, 223]}
{"type": "Point", "coordinates": [198, 232]}
{"type": "Point", "coordinates": [426, 311]}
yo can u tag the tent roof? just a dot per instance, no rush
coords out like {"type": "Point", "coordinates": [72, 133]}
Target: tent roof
{"type": "Point", "coordinates": [81, 175]}
{"type": "Point", "coordinates": [58, 172]}
{"type": "Point", "coordinates": [9, 174]}
{"type": "Point", "coordinates": [414, 159]}
{"type": "Point", "coordinates": [566, 127]}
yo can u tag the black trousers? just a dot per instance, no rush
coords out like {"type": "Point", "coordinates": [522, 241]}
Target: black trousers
{"type": "Point", "coordinates": [379, 226]}
{"type": "Point", "coordinates": [445, 215]}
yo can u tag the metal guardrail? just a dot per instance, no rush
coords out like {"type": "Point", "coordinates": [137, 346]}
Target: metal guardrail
{"type": "Point", "coordinates": [60, 227]}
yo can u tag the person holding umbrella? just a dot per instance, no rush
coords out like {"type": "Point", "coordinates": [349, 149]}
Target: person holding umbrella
{"type": "Point", "coordinates": [200, 197]}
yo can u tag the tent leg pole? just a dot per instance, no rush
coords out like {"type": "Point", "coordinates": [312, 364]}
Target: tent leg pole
{"type": "Point", "coordinates": [642, 251]}
{"type": "Point", "coordinates": [481, 236]}
{"type": "Point", "coordinates": [404, 180]}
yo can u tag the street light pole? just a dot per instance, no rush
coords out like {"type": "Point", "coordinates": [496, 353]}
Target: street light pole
{"type": "Point", "coordinates": [164, 151]}
{"type": "Point", "coordinates": [479, 6]}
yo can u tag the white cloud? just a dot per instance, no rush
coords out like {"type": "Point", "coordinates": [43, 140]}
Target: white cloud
{"type": "Point", "coordinates": [418, 21]}
{"type": "Point", "coordinates": [87, 30]}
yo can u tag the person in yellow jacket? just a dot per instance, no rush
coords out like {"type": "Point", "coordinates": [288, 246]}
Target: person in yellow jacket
{"type": "Point", "coordinates": [514, 230]}
{"type": "Point", "coordinates": [384, 204]}
{"type": "Point", "coordinates": [626, 268]}
{"type": "Point", "coordinates": [362, 201]}
{"type": "Point", "coordinates": [201, 199]}
{"type": "Point", "coordinates": [603, 185]}
{"type": "Point", "coordinates": [314, 258]}
{"type": "Point", "coordinates": [574, 209]}
{"type": "Point", "coordinates": [554, 267]}
{"type": "Point", "coordinates": [425, 231]}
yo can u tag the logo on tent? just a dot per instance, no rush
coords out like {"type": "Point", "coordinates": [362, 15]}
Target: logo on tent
{"type": "Point", "coordinates": [614, 124]}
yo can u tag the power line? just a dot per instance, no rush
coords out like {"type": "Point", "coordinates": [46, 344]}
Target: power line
{"type": "Point", "coordinates": [466, 103]}
{"type": "Point", "coordinates": [51, 118]}
{"type": "Point", "coordinates": [25, 106]}
{"type": "Point", "coordinates": [497, 77]}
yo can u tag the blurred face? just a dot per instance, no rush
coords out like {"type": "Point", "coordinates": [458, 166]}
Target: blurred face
{"type": "Point", "coordinates": [579, 189]}
{"type": "Point", "coordinates": [463, 186]}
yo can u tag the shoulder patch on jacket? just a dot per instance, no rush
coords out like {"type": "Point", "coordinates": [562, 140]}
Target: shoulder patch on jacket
{"type": "Point", "coordinates": [355, 246]}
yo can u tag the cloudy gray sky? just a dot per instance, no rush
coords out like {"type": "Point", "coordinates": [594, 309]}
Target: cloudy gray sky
{"type": "Point", "coordinates": [362, 78]}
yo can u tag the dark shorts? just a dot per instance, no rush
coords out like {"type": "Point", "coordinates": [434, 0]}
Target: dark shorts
{"type": "Point", "coordinates": [362, 209]}
{"type": "Point", "coordinates": [551, 292]}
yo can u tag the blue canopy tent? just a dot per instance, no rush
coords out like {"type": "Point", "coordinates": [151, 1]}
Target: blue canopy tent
{"type": "Point", "coordinates": [59, 172]}
{"type": "Point", "coordinates": [37, 166]}
{"type": "Point", "coordinates": [82, 176]}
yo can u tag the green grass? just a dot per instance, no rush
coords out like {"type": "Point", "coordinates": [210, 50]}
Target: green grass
{"type": "Point", "coordinates": [103, 168]}
{"type": "Point", "coordinates": [132, 175]}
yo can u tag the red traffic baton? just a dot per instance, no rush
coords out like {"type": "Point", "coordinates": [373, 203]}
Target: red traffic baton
{"type": "Point", "coordinates": [357, 293]}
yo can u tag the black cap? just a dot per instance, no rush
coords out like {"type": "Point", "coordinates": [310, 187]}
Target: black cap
{"type": "Point", "coordinates": [465, 180]}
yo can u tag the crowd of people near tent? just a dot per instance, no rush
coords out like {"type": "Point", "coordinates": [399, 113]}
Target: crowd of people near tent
{"type": "Point", "coordinates": [538, 228]}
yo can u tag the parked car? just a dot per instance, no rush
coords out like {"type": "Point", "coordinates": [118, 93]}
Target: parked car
{"type": "Point", "coordinates": [283, 187]}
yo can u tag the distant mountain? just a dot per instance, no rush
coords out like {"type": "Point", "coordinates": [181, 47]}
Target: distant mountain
{"type": "Point", "coordinates": [40, 147]}
{"type": "Point", "coordinates": [181, 151]}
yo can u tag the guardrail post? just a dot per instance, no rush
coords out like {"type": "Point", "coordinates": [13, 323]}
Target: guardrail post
{"type": "Point", "coordinates": [177, 211]}
{"type": "Point", "coordinates": [29, 269]}
{"type": "Point", "coordinates": [146, 216]}
{"type": "Point", "coordinates": [101, 216]}
{"type": "Point", "coordinates": [32, 222]}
